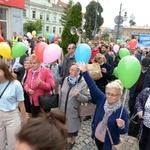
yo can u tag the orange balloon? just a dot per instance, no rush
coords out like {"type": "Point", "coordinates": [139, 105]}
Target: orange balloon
{"type": "Point", "coordinates": [39, 49]}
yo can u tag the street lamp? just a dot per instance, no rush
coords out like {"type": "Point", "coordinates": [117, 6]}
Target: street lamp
{"type": "Point", "coordinates": [119, 20]}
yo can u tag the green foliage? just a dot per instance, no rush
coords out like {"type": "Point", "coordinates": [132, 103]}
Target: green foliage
{"type": "Point", "coordinates": [105, 36]}
{"type": "Point", "coordinates": [74, 19]}
{"type": "Point", "coordinates": [92, 10]}
{"type": "Point", "coordinates": [132, 22]}
{"type": "Point", "coordinates": [66, 13]}
{"type": "Point", "coordinates": [29, 26]}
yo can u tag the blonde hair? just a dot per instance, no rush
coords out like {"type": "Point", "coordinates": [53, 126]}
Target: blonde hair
{"type": "Point", "coordinates": [116, 84]}
{"type": "Point", "coordinates": [33, 57]}
{"type": "Point", "coordinates": [100, 56]}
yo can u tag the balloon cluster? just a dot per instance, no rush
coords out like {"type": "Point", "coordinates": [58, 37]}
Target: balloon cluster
{"type": "Point", "coordinates": [51, 37]}
{"type": "Point", "coordinates": [29, 35]}
{"type": "Point", "coordinates": [18, 50]}
{"type": "Point", "coordinates": [47, 53]}
{"type": "Point", "coordinates": [129, 68]}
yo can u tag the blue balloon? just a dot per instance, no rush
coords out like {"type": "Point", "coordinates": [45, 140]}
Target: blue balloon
{"type": "Point", "coordinates": [83, 53]}
{"type": "Point", "coordinates": [51, 36]}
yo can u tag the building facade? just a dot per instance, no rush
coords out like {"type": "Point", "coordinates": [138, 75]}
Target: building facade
{"type": "Point", "coordinates": [11, 17]}
{"type": "Point", "coordinates": [128, 31]}
{"type": "Point", "coordinates": [46, 10]}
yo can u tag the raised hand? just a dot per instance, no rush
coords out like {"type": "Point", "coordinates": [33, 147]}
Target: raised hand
{"type": "Point", "coordinates": [81, 66]}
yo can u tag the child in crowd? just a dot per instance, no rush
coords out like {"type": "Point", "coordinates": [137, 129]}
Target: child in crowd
{"type": "Point", "coordinates": [56, 70]}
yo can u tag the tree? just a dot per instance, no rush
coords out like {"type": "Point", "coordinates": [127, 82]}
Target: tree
{"type": "Point", "coordinates": [74, 19]}
{"type": "Point", "coordinates": [66, 13]}
{"type": "Point", "coordinates": [131, 21]}
{"type": "Point", "coordinates": [29, 26]}
{"type": "Point", "coordinates": [105, 36]}
{"type": "Point", "coordinates": [93, 18]}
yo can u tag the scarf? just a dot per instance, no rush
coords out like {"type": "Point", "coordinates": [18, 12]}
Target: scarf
{"type": "Point", "coordinates": [72, 81]}
{"type": "Point", "coordinates": [109, 109]}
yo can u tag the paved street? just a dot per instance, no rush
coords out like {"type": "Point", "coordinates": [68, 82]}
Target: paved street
{"type": "Point", "coordinates": [84, 141]}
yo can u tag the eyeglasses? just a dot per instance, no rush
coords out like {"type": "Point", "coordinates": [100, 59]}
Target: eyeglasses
{"type": "Point", "coordinates": [111, 94]}
{"type": "Point", "coordinates": [69, 48]}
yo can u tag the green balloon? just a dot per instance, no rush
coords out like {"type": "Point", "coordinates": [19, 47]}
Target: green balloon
{"type": "Point", "coordinates": [129, 70]}
{"type": "Point", "coordinates": [123, 52]}
{"type": "Point", "coordinates": [47, 35]}
{"type": "Point", "coordinates": [115, 72]}
{"type": "Point", "coordinates": [18, 50]}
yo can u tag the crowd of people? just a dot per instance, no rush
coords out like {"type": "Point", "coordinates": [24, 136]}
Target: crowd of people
{"type": "Point", "coordinates": [26, 78]}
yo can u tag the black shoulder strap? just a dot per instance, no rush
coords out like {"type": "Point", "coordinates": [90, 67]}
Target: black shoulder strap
{"type": "Point", "coordinates": [4, 89]}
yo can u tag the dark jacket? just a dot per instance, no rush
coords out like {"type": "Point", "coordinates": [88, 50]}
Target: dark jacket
{"type": "Point", "coordinates": [66, 65]}
{"type": "Point", "coordinates": [99, 99]}
{"type": "Point", "coordinates": [102, 82]}
{"type": "Point", "coordinates": [145, 84]}
{"type": "Point", "coordinates": [109, 59]}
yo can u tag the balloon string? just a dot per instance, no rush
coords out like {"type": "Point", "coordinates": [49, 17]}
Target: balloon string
{"type": "Point", "coordinates": [123, 102]}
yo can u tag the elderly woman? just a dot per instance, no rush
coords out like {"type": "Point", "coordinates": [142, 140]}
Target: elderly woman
{"type": "Point", "coordinates": [106, 72]}
{"type": "Point", "coordinates": [107, 113]}
{"type": "Point", "coordinates": [73, 92]}
{"type": "Point", "coordinates": [39, 81]}
{"type": "Point", "coordinates": [143, 108]}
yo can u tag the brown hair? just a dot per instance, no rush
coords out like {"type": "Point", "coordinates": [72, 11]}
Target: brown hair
{"type": "Point", "coordinates": [4, 66]}
{"type": "Point", "coordinates": [46, 132]}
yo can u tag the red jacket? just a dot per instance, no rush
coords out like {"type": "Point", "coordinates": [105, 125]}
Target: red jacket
{"type": "Point", "coordinates": [46, 86]}
{"type": "Point", "coordinates": [94, 52]}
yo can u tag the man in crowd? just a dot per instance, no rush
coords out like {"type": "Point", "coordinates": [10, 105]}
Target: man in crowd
{"type": "Point", "coordinates": [142, 83]}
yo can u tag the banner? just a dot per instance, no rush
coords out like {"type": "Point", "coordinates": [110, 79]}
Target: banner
{"type": "Point", "coordinates": [13, 3]}
{"type": "Point", "coordinates": [144, 40]}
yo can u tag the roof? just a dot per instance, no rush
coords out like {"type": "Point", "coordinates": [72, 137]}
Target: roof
{"type": "Point", "coordinates": [63, 4]}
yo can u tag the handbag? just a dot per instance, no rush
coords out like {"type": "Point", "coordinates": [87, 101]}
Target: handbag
{"type": "Point", "coordinates": [94, 70]}
{"type": "Point", "coordinates": [48, 101]}
{"type": "Point", "coordinates": [134, 126]}
{"type": "Point", "coordinates": [120, 145]}
{"type": "Point", "coordinates": [86, 109]}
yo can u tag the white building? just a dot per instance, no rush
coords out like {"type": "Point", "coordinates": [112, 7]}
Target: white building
{"type": "Point", "coordinates": [47, 11]}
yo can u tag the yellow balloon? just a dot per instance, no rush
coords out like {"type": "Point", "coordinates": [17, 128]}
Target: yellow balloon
{"type": "Point", "coordinates": [33, 33]}
{"type": "Point", "coordinates": [5, 50]}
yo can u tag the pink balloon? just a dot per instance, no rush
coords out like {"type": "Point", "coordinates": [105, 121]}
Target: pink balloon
{"type": "Point", "coordinates": [116, 48]}
{"type": "Point", "coordinates": [51, 53]}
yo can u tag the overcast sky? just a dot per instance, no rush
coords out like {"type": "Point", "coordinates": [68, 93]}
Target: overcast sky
{"type": "Point", "coordinates": [140, 9]}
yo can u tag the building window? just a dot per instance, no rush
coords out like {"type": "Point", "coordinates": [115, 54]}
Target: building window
{"type": "Point", "coordinates": [34, 14]}
{"type": "Point", "coordinates": [54, 29]}
{"type": "Point", "coordinates": [41, 15]}
{"type": "Point", "coordinates": [54, 17]}
{"type": "Point", "coordinates": [24, 13]}
{"type": "Point", "coordinates": [60, 30]}
{"type": "Point", "coordinates": [47, 17]}
{"type": "Point", "coordinates": [47, 28]}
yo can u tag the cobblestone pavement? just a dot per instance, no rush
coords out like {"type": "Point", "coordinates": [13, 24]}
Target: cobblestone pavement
{"type": "Point", "coordinates": [84, 141]}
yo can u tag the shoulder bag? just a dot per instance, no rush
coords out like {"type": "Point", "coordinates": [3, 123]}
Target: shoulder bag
{"type": "Point", "coordinates": [48, 101]}
{"type": "Point", "coordinates": [86, 109]}
{"type": "Point", "coordinates": [134, 125]}
{"type": "Point", "coordinates": [120, 145]}
{"type": "Point", "coordinates": [4, 89]}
